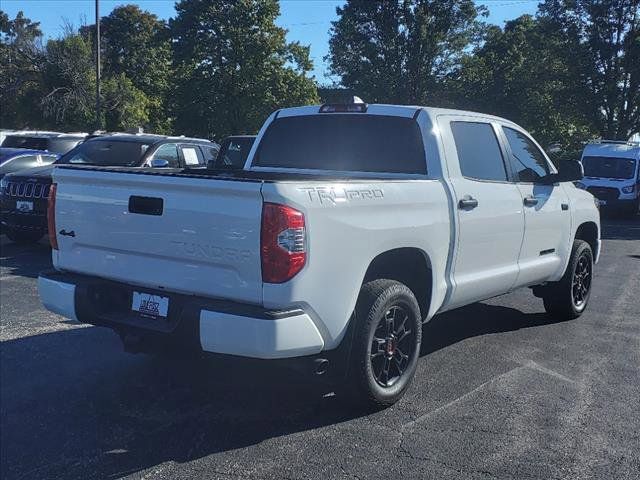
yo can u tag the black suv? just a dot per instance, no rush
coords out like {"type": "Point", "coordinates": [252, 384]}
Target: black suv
{"type": "Point", "coordinates": [24, 194]}
{"type": "Point", "coordinates": [59, 143]}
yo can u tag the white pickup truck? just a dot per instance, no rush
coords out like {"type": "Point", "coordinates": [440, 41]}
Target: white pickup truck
{"type": "Point", "coordinates": [349, 227]}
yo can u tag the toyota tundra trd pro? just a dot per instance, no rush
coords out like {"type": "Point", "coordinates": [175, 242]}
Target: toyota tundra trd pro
{"type": "Point", "coordinates": [348, 228]}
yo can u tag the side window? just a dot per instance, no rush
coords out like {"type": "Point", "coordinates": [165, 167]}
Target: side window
{"type": "Point", "coordinates": [168, 152]}
{"type": "Point", "coordinates": [528, 161]}
{"type": "Point", "coordinates": [478, 151]}
{"type": "Point", "coordinates": [192, 155]}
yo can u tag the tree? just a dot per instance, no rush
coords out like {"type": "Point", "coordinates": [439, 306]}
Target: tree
{"type": "Point", "coordinates": [525, 72]}
{"type": "Point", "coordinates": [69, 86]}
{"type": "Point", "coordinates": [234, 66]}
{"type": "Point", "coordinates": [20, 75]}
{"type": "Point", "coordinates": [136, 45]}
{"type": "Point", "coordinates": [68, 82]}
{"type": "Point", "coordinates": [401, 51]}
{"type": "Point", "coordinates": [605, 40]}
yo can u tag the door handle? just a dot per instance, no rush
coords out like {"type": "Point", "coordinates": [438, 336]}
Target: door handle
{"type": "Point", "coordinates": [467, 203]}
{"type": "Point", "coordinates": [146, 205]}
{"type": "Point", "coordinates": [530, 201]}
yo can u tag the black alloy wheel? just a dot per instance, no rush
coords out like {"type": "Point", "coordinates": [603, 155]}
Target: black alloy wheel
{"type": "Point", "coordinates": [581, 285]}
{"type": "Point", "coordinates": [393, 346]}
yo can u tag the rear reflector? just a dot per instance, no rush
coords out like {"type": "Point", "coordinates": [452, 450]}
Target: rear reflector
{"type": "Point", "coordinates": [51, 217]}
{"type": "Point", "coordinates": [283, 245]}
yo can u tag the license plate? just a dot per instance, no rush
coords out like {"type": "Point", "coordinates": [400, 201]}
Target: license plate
{"type": "Point", "coordinates": [150, 305]}
{"type": "Point", "coordinates": [24, 206]}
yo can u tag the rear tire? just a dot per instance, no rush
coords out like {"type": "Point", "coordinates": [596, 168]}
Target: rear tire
{"type": "Point", "coordinates": [568, 298]}
{"type": "Point", "coordinates": [386, 343]}
{"type": "Point", "coordinates": [23, 237]}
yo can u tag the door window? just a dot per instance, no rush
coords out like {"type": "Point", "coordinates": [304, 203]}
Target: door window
{"type": "Point", "coordinates": [529, 163]}
{"type": "Point", "coordinates": [168, 152]}
{"type": "Point", "coordinates": [192, 155]}
{"type": "Point", "coordinates": [478, 151]}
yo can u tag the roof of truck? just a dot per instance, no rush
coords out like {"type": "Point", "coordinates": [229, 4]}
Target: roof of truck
{"type": "Point", "coordinates": [396, 110]}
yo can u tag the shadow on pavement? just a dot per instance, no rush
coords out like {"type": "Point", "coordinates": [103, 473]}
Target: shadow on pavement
{"type": "Point", "coordinates": [475, 320]}
{"type": "Point", "coordinates": [75, 406]}
{"type": "Point", "coordinates": [25, 260]}
{"type": "Point", "coordinates": [620, 228]}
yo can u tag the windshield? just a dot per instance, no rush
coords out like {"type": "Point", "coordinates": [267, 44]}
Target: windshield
{"type": "Point", "coordinates": [609, 167]}
{"type": "Point", "coordinates": [343, 142]}
{"type": "Point", "coordinates": [105, 152]}
{"type": "Point", "coordinates": [23, 141]}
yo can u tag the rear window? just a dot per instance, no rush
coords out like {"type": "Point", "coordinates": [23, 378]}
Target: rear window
{"type": "Point", "coordinates": [343, 142]}
{"type": "Point", "coordinates": [23, 141]}
{"type": "Point", "coordinates": [63, 145]}
{"type": "Point", "coordinates": [106, 153]}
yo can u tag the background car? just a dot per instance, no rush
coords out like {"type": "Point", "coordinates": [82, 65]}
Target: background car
{"type": "Point", "coordinates": [14, 159]}
{"type": "Point", "coordinates": [24, 194]}
{"type": "Point", "coordinates": [53, 142]}
{"type": "Point", "coordinates": [612, 174]}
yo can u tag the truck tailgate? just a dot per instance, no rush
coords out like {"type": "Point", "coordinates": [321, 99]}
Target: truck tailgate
{"type": "Point", "coordinates": [198, 236]}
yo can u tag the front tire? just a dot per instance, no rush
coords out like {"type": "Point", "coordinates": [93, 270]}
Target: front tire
{"type": "Point", "coordinates": [386, 343]}
{"type": "Point", "coordinates": [568, 298]}
{"type": "Point", "coordinates": [23, 237]}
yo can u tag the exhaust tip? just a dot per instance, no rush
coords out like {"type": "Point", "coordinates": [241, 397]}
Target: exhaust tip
{"type": "Point", "coordinates": [321, 366]}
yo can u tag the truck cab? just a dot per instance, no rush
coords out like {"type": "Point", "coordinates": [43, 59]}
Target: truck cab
{"type": "Point", "coordinates": [612, 174]}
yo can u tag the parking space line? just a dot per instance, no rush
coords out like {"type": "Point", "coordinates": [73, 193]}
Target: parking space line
{"type": "Point", "coordinates": [422, 418]}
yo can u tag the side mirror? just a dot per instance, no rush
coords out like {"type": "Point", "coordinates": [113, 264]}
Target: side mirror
{"type": "Point", "coordinates": [159, 163]}
{"type": "Point", "coordinates": [570, 171]}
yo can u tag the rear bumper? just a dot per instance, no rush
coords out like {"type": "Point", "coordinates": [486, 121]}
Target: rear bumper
{"type": "Point", "coordinates": [195, 323]}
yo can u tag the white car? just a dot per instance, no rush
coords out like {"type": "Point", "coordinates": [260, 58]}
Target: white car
{"type": "Point", "coordinates": [612, 174]}
{"type": "Point", "coordinates": [349, 227]}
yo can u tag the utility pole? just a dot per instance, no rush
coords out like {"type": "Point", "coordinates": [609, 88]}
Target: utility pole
{"type": "Point", "coordinates": [98, 116]}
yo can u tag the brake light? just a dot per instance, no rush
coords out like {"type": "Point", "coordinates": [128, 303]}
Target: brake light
{"type": "Point", "coordinates": [283, 244]}
{"type": "Point", "coordinates": [51, 216]}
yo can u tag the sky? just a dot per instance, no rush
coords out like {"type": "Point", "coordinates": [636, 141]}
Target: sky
{"type": "Point", "coordinates": [307, 21]}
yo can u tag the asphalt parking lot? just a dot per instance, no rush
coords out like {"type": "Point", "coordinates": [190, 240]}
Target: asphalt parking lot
{"type": "Point", "coordinates": [501, 391]}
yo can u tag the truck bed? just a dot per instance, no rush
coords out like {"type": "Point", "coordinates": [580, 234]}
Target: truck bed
{"type": "Point", "coordinates": [246, 175]}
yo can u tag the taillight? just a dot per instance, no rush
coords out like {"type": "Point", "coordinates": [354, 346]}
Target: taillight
{"type": "Point", "coordinates": [283, 244]}
{"type": "Point", "coordinates": [51, 216]}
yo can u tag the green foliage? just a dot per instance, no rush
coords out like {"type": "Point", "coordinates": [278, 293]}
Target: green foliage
{"type": "Point", "coordinates": [525, 73]}
{"type": "Point", "coordinates": [604, 36]}
{"type": "Point", "coordinates": [234, 66]}
{"type": "Point", "coordinates": [136, 45]}
{"type": "Point", "coordinates": [20, 74]}
{"type": "Point", "coordinates": [68, 82]}
{"type": "Point", "coordinates": [401, 51]}
{"type": "Point", "coordinates": [124, 105]}
{"type": "Point", "coordinates": [570, 73]}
